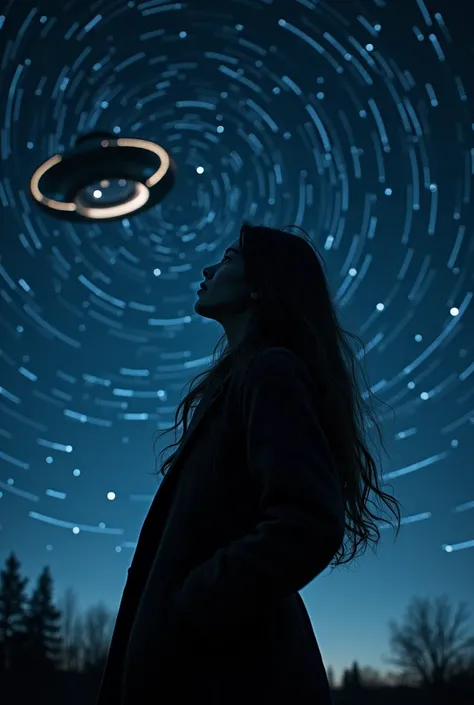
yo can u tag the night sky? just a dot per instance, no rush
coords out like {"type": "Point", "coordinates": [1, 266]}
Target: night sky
{"type": "Point", "coordinates": [351, 119]}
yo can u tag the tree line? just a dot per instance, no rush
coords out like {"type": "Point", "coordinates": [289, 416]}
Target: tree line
{"type": "Point", "coordinates": [37, 635]}
{"type": "Point", "coordinates": [431, 648]}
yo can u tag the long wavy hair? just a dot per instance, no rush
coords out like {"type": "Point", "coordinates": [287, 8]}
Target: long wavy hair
{"type": "Point", "coordinates": [295, 310]}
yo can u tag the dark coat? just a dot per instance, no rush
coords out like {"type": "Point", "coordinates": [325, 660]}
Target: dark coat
{"type": "Point", "coordinates": [250, 511]}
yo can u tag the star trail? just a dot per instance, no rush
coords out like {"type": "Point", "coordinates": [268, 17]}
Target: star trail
{"type": "Point", "coordinates": [353, 120]}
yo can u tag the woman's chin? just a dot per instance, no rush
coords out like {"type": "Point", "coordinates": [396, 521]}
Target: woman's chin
{"type": "Point", "coordinates": [203, 311]}
{"type": "Point", "coordinates": [199, 308]}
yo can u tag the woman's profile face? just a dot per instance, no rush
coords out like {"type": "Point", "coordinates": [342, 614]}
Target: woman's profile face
{"type": "Point", "coordinates": [226, 290]}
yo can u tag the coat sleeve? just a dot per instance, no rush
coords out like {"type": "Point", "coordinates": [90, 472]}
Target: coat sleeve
{"type": "Point", "coordinates": [301, 524]}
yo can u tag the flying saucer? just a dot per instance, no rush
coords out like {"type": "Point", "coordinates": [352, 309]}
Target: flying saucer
{"type": "Point", "coordinates": [103, 178]}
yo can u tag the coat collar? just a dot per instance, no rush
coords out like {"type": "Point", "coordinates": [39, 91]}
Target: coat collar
{"type": "Point", "coordinates": [207, 402]}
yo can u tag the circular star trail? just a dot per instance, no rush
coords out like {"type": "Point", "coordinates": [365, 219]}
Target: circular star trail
{"type": "Point", "coordinates": [350, 119]}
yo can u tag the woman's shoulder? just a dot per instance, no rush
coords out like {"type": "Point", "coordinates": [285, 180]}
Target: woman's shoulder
{"type": "Point", "coordinates": [274, 361]}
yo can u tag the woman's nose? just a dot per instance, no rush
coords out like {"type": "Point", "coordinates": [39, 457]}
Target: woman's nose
{"type": "Point", "coordinates": [207, 271]}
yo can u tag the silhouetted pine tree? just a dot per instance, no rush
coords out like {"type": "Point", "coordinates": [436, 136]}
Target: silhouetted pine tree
{"type": "Point", "coordinates": [351, 679]}
{"type": "Point", "coordinates": [43, 643]}
{"type": "Point", "coordinates": [356, 679]}
{"type": "Point", "coordinates": [13, 600]}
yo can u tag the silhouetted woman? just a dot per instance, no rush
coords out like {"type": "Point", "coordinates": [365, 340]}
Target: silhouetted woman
{"type": "Point", "coordinates": [268, 485]}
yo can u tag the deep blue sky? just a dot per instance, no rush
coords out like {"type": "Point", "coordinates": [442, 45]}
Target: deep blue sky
{"type": "Point", "coordinates": [351, 119]}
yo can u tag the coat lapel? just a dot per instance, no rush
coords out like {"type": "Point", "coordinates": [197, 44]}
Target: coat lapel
{"type": "Point", "coordinates": [204, 406]}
